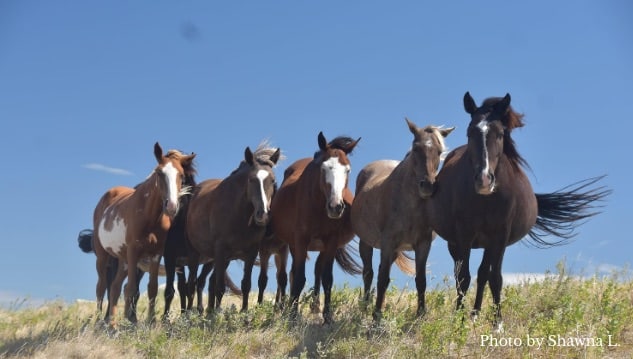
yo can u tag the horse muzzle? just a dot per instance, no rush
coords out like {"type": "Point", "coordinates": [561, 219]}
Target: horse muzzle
{"type": "Point", "coordinates": [260, 217]}
{"type": "Point", "coordinates": [485, 183]}
{"type": "Point", "coordinates": [426, 188]}
{"type": "Point", "coordinates": [336, 211]}
{"type": "Point", "coordinates": [170, 208]}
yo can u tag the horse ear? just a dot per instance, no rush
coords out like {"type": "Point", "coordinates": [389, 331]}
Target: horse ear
{"type": "Point", "coordinates": [187, 161]}
{"type": "Point", "coordinates": [275, 157]}
{"type": "Point", "coordinates": [412, 127]}
{"type": "Point", "coordinates": [248, 156]}
{"type": "Point", "coordinates": [502, 106]}
{"type": "Point", "coordinates": [158, 152]}
{"type": "Point", "coordinates": [446, 131]}
{"type": "Point", "coordinates": [469, 104]}
{"type": "Point", "coordinates": [322, 141]}
{"type": "Point", "coordinates": [351, 146]}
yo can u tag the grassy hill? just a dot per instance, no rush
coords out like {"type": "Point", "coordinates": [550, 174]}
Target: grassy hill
{"type": "Point", "coordinates": [561, 316]}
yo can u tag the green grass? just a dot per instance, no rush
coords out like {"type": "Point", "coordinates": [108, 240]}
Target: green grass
{"type": "Point", "coordinates": [559, 311]}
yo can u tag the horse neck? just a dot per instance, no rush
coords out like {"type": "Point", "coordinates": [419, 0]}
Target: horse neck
{"type": "Point", "coordinates": [403, 175]}
{"type": "Point", "coordinates": [151, 199]}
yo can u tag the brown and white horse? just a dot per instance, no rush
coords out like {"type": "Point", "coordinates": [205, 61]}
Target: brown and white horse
{"type": "Point", "coordinates": [131, 224]}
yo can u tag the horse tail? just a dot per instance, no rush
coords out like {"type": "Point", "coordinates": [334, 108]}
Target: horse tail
{"type": "Point", "coordinates": [347, 262]}
{"type": "Point", "coordinates": [561, 212]}
{"type": "Point", "coordinates": [231, 285]}
{"type": "Point", "coordinates": [405, 263]}
{"type": "Point", "coordinates": [85, 240]}
{"type": "Point", "coordinates": [144, 266]}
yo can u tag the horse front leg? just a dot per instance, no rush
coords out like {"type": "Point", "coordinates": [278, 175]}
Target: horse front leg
{"type": "Point", "coordinates": [152, 287]}
{"type": "Point", "coordinates": [170, 274]}
{"type": "Point", "coordinates": [246, 280]}
{"type": "Point", "coordinates": [422, 249]}
{"type": "Point", "coordinates": [461, 258]}
{"type": "Point", "coordinates": [262, 280]}
{"type": "Point", "coordinates": [315, 306]}
{"type": "Point", "coordinates": [281, 261]}
{"type": "Point", "coordinates": [483, 274]}
{"type": "Point", "coordinates": [327, 278]}
{"type": "Point", "coordinates": [115, 288]}
{"type": "Point", "coordinates": [299, 255]}
{"type": "Point", "coordinates": [496, 282]}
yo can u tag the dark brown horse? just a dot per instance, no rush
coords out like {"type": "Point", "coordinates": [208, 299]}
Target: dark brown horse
{"type": "Point", "coordinates": [131, 224]}
{"type": "Point", "coordinates": [227, 220]}
{"type": "Point", "coordinates": [310, 212]}
{"type": "Point", "coordinates": [485, 200]}
{"type": "Point", "coordinates": [389, 212]}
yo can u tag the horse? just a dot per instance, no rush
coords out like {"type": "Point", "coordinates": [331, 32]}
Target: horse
{"type": "Point", "coordinates": [485, 200]}
{"type": "Point", "coordinates": [389, 213]}
{"type": "Point", "coordinates": [310, 213]}
{"type": "Point", "coordinates": [227, 220]}
{"type": "Point", "coordinates": [131, 224]}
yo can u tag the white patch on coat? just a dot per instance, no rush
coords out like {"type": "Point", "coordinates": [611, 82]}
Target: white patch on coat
{"type": "Point", "coordinates": [114, 239]}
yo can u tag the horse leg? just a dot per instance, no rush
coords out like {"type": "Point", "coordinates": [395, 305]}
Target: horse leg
{"type": "Point", "coordinates": [183, 292]}
{"type": "Point", "coordinates": [200, 282]}
{"type": "Point", "coordinates": [246, 280]}
{"type": "Point", "coordinates": [281, 261]}
{"type": "Point", "coordinates": [102, 281]}
{"type": "Point", "coordinates": [496, 282]}
{"type": "Point", "coordinates": [170, 273]}
{"type": "Point", "coordinates": [262, 280]}
{"type": "Point", "coordinates": [318, 271]}
{"type": "Point", "coordinates": [131, 289]}
{"type": "Point", "coordinates": [482, 278]}
{"type": "Point", "coordinates": [387, 257]}
{"type": "Point", "coordinates": [461, 257]}
{"type": "Point", "coordinates": [298, 279]}
{"type": "Point", "coordinates": [152, 288]}
{"type": "Point", "coordinates": [115, 289]}
{"type": "Point", "coordinates": [327, 266]}
{"type": "Point", "coordinates": [422, 249]}
{"type": "Point", "coordinates": [366, 253]}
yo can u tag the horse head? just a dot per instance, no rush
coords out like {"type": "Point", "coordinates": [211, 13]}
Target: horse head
{"type": "Point", "coordinates": [261, 181]}
{"type": "Point", "coordinates": [488, 132]}
{"type": "Point", "coordinates": [426, 153]}
{"type": "Point", "coordinates": [335, 169]}
{"type": "Point", "coordinates": [172, 171]}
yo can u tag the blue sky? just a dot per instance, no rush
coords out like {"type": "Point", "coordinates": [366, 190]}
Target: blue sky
{"type": "Point", "coordinates": [87, 87]}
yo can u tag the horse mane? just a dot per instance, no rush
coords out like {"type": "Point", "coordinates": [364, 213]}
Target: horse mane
{"type": "Point", "coordinates": [510, 120]}
{"type": "Point", "coordinates": [340, 143]}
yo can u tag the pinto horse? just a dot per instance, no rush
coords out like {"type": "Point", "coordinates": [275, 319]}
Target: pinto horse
{"type": "Point", "coordinates": [227, 220]}
{"type": "Point", "coordinates": [389, 212]}
{"type": "Point", "coordinates": [131, 224]}
{"type": "Point", "coordinates": [485, 200]}
{"type": "Point", "coordinates": [310, 212]}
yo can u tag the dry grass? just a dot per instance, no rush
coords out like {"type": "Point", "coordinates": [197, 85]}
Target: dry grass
{"type": "Point", "coordinates": [559, 311]}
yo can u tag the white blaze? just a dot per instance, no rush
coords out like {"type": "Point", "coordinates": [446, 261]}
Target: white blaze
{"type": "Point", "coordinates": [171, 175]}
{"type": "Point", "coordinates": [483, 126]}
{"type": "Point", "coordinates": [336, 177]}
{"type": "Point", "coordinates": [261, 176]}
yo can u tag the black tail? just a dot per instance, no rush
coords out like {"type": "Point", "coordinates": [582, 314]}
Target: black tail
{"type": "Point", "coordinates": [347, 262]}
{"type": "Point", "coordinates": [561, 212]}
{"type": "Point", "coordinates": [85, 241]}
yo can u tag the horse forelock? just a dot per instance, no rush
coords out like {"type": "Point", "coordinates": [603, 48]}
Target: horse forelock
{"type": "Point", "coordinates": [343, 143]}
{"type": "Point", "coordinates": [189, 168]}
